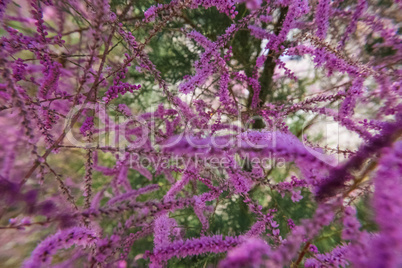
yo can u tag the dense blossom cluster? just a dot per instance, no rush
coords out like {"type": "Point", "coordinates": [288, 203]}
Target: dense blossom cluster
{"type": "Point", "coordinates": [43, 253]}
{"type": "Point", "coordinates": [92, 170]}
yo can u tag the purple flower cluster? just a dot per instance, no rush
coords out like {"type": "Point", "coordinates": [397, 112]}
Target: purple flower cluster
{"type": "Point", "coordinates": [158, 184]}
{"type": "Point", "coordinates": [335, 258]}
{"type": "Point", "coordinates": [195, 246]}
{"type": "Point", "coordinates": [42, 255]}
{"type": "Point", "coordinates": [322, 17]}
{"type": "Point", "coordinates": [249, 254]}
{"type": "Point", "coordinates": [87, 126]}
{"type": "Point", "coordinates": [119, 86]}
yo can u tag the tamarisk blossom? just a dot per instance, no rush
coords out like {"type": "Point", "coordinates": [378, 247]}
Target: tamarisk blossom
{"type": "Point", "coordinates": [284, 187]}
{"type": "Point", "coordinates": [385, 248]}
{"type": "Point", "coordinates": [50, 81]}
{"type": "Point", "coordinates": [194, 246]}
{"type": "Point", "coordinates": [42, 255]}
{"type": "Point", "coordinates": [321, 17]}
{"type": "Point", "coordinates": [295, 10]}
{"type": "Point", "coordinates": [259, 33]}
{"type": "Point", "coordinates": [119, 86]}
{"type": "Point", "coordinates": [351, 224]}
{"type": "Point", "coordinates": [360, 9]}
{"type": "Point", "coordinates": [255, 85]}
{"type": "Point", "coordinates": [253, 4]}
{"type": "Point", "coordinates": [228, 7]}
{"type": "Point", "coordinates": [199, 209]}
{"type": "Point", "coordinates": [75, 55]}
{"type": "Point", "coordinates": [348, 105]}
{"type": "Point", "coordinates": [19, 69]}
{"type": "Point", "coordinates": [162, 229]}
{"type": "Point", "coordinates": [203, 72]}
{"type": "Point", "coordinates": [178, 186]}
{"type": "Point", "coordinates": [205, 66]}
{"type": "Point", "coordinates": [328, 59]}
{"type": "Point", "coordinates": [105, 248]}
{"type": "Point", "coordinates": [291, 224]}
{"type": "Point", "coordinates": [335, 258]}
{"type": "Point", "coordinates": [240, 183]}
{"type": "Point", "coordinates": [87, 126]}
{"type": "Point", "coordinates": [251, 253]}
{"type": "Point", "coordinates": [150, 13]}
